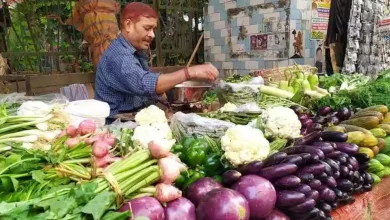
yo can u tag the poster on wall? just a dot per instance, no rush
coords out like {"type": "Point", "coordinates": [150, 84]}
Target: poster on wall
{"type": "Point", "coordinates": [297, 44]}
{"type": "Point", "coordinates": [319, 58]}
{"type": "Point", "coordinates": [259, 42]}
{"type": "Point", "coordinates": [319, 19]}
{"type": "Point", "coordinates": [276, 41]}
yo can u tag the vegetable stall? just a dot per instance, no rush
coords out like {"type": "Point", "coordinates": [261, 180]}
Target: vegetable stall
{"type": "Point", "coordinates": [305, 147]}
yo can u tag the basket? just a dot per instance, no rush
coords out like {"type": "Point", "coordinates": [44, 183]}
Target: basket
{"type": "Point", "coordinates": [277, 74]}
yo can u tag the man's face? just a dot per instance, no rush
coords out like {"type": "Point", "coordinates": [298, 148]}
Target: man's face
{"type": "Point", "coordinates": [140, 33]}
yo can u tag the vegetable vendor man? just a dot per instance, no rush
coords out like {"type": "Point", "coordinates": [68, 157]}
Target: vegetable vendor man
{"type": "Point", "coordinates": [123, 77]}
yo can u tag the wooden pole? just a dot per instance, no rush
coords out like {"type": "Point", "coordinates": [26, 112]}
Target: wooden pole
{"type": "Point", "coordinates": [195, 50]}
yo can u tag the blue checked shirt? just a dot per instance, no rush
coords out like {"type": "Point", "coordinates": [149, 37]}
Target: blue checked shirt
{"type": "Point", "coordinates": [123, 78]}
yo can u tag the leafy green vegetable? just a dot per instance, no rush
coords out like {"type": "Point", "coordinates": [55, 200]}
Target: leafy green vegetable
{"type": "Point", "coordinates": [98, 205]}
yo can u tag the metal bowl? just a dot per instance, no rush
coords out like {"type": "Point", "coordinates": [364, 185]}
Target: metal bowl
{"type": "Point", "coordinates": [188, 92]}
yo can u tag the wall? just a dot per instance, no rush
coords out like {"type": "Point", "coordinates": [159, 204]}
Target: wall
{"type": "Point", "coordinates": [233, 29]}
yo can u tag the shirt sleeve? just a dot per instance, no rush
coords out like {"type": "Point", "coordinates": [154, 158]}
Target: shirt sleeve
{"type": "Point", "coordinates": [129, 77]}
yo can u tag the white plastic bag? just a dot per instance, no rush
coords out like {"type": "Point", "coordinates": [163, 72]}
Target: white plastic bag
{"type": "Point", "coordinates": [88, 109]}
{"type": "Point", "coordinates": [249, 107]}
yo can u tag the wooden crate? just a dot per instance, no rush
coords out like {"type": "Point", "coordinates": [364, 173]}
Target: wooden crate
{"type": "Point", "coordinates": [44, 84]}
{"type": "Point", "coordinates": [12, 83]}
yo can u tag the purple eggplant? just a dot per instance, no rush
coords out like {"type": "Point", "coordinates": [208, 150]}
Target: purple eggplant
{"type": "Point", "coordinates": [336, 174]}
{"type": "Point", "coordinates": [334, 154]}
{"type": "Point", "coordinates": [344, 113]}
{"type": "Point", "coordinates": [180, 208]}
{"type": "Point", "coordinates": [325, 147]}
{"type": "Point", "coordinates": [342, 160]}
{"type": "Point", "coordinates": [348, 148]}
{"type": "Point", "coordinates": [276, 215]}
{"type": "Point", "coordinates": [331, 182]}
{"type": "Point", "coordinates": [319, 120]}
{"type": "Point", "coordinates": [279, 170]}
{"type": "Point", "coordinates": [289, 181]}
{"type": "Point", "coordinates": [354, 163]}
{"type": "Point", "coordinates": [345, 185]}
{"type": "Point", "coordinates": [306, 177]}
{"type": "Point", "coordinates": [307, 123]}
{"type": "Point", "coordinates": [293, 159]}
{"type": "Point", "coordinates": [333, 120]}
{"type": "Point", "coordinates": [324, 110]}
{"type": "Point", "coordinates": [327, 194]}
{"type": "Point", "coordinates": [362, 158]}
{"type": "Point", "coordinates": [286, 198]}
{"type": "Point", "coordinates": [315, 127]}
{"type": "Point", "coordinates": [334, 136]}
{"type": "Point", "coordinates": [230, 177]}
{"type": "Point", "coordinates": [306, 157]}
{"type": "Point", "coordinates": [315, 169]}
{"type": "Point", "coordinates": [253, 167]}
{"type": "Point", "coordinates": [314, 184]}
{"type": "Point", "coordinates": [328, 169]}
{"type": "Point", "coordinates": [303, 188]}
{"type": "Point", "coordinates": [309, 138]}
{"type": "Point", "coordinates": [314, 194]}
{"type": "Point", "coordinates": [332, 164]}
{"type": "Point", "coordinates": [325, 207]}
{"type": "Point", "coordinates": [275, 159]}
{"type": "Point", "coordinates": [344, 171]}
{"type": "Point", "coordinates": [303, 207]}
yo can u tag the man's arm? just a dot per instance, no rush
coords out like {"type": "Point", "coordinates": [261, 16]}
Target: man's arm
{"type": "Point", "coordinates": [167, 81]}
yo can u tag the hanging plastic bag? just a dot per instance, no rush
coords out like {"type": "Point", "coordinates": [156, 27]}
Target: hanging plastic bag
{"type": "Point", "coordinates": [88, 109]}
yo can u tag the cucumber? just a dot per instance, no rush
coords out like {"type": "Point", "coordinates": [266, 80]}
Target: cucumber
{"type": "Point", "coordinates": [369, 122]}
{"type": "Point", "coordinates": [379, 108]}
{"type": "Point", "coordinates": [385, 127]}
{"type": "Point", "coordinates": [362, 114]}
{"type": "Point", "coordinates": [350, 128]}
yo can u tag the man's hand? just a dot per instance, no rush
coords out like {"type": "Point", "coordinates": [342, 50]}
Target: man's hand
{"type": "Point", "coordinates": [205, 72]}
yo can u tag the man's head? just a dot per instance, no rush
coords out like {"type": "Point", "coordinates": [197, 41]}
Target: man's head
{"type": "Point", "coordinates": [138, 22]}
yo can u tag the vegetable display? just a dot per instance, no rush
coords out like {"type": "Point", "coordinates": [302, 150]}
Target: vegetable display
{"type": "Point", "coordinates": [287, 150]}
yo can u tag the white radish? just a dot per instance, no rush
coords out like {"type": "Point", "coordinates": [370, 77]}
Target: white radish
{"type": "Point", "coordinates": [170, 169]}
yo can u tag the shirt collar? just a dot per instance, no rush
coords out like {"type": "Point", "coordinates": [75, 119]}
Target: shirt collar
{"type": "Point", "coordinates": [132, 49]}
{"type": "Point", "coordinates": [127, 44]}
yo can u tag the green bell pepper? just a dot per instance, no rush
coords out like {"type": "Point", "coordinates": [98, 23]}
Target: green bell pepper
{"type": "Point", "coordinates": [194, 177]}
{"type": "Point", "coordinates": [213, 166]}
{"type": "Point", "coordinates": [196, 154]}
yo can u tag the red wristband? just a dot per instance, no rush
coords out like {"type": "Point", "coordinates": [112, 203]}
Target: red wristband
{"type": "Point", "coordinates": [187, 73]}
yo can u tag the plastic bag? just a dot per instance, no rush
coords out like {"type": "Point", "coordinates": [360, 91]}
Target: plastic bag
{"type": "Point", "coordinates": [193, 124]}
{"type": "Point", "coordinates": [15, 100]}
{"type": "Point", "coordinates": [117, 126]}
{"type": "Point", "coordinates": [88, 109]}
{"type": "Point", "coordinates": [249, 107]}
{"type": "Point", "coordinates": [237, 93]}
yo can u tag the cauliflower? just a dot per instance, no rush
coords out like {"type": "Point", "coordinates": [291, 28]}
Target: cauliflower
{"type": "Point", "coordinates": [243, 144]}
{"type": "Point", "coordinates": [228, 107]}
{"type": "Point", "coordinates": [144, 134]}
{"type": "Point", "coordinates": [280, 122]}
{"type": "Point", "coordinates": [150, 115]}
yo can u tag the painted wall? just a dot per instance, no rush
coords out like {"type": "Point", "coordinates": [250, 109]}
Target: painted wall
{"type": "Point", "coordinates": [249, 35]}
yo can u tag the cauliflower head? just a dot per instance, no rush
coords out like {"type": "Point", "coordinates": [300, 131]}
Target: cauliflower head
{"type": "Point", "coordinates": [150, 115]}
{"type": "Point", "coordinates": [244, 144]}
{"type": "Point", "coordinates": [228, 107]}
{"type": "Point", "coordinates": [280, 122]}
{"type": "Point", "coordinates": [144, 134]}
